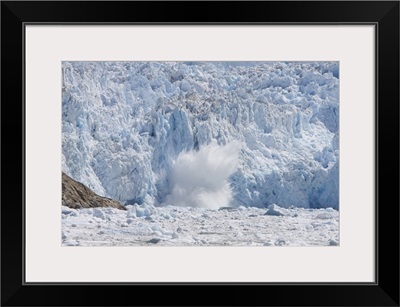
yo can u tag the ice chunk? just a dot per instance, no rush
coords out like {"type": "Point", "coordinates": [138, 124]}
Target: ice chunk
{"type": "Point", "coordinates": [185, 86]}
{"type": "Point", "coordinates": [71, 243]}
{"type": "Point", "coordinates": [68, 211]}
{"type": "Point", "coordinates": [99, 214]}
{"type": "Point", "coordinates": [324, 216]}
{"type": "Point", "coordinates": [154, 241]}
{"type": "Point", "coordinates": [275, 210]}
{"type": "Point", "coordinates": [333, 242]}
{"type": "Point", "coordinates": [175, 236]}
{"type": "Point", "coordinates": [140, 210]}
{"type": "Point", "coordinates": [281, 242]}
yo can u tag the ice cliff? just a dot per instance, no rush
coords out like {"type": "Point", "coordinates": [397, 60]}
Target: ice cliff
{"type": "Point", "coordinates": [126, 126]}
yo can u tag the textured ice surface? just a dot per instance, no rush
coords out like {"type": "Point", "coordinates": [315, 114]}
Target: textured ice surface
{"type": "Point", "coordinates": [191, 226]}
{"type": "Point", "coordinates": [126, 125]}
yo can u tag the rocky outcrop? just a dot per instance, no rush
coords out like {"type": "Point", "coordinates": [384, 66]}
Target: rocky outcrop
{"type": "Point", "coordinates": [76, 195]}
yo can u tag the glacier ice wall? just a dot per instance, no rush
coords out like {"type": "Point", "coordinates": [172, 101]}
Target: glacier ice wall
{"type": "Point", "coordinates": [125, 124]}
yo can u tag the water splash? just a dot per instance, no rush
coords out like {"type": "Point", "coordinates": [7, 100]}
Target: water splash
{"type": "Point", "coordinates": [200, 178]}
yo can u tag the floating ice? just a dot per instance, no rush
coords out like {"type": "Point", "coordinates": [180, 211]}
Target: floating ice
{"type": "Point", "coordinates": [201, 226]}
{"type": "Point", "coordinates": [276, 210]}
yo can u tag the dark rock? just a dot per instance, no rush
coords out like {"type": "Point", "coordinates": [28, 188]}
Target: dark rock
{"type": "Point", "coordinates": [76, 195]}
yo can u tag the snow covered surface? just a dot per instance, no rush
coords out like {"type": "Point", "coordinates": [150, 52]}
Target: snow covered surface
{"type": "Point", "coordinates": [138, 132]}
{"type": "Point", "coordinates": [190, 226]}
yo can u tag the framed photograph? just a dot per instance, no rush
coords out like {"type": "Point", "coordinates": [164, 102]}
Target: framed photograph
{"type": "Point", "coordinates": [236, 154]}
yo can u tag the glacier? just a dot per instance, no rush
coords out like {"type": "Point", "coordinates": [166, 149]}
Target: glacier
{"type": "Point", "coordinates": [138, 132]}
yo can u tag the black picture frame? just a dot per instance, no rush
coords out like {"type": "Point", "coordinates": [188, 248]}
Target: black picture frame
{"type": "Point", "coordinates": [384, 292]}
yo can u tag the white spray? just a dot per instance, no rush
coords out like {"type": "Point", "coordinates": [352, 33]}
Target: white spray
{"type": "Point", "coordinates": [200, 178]}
